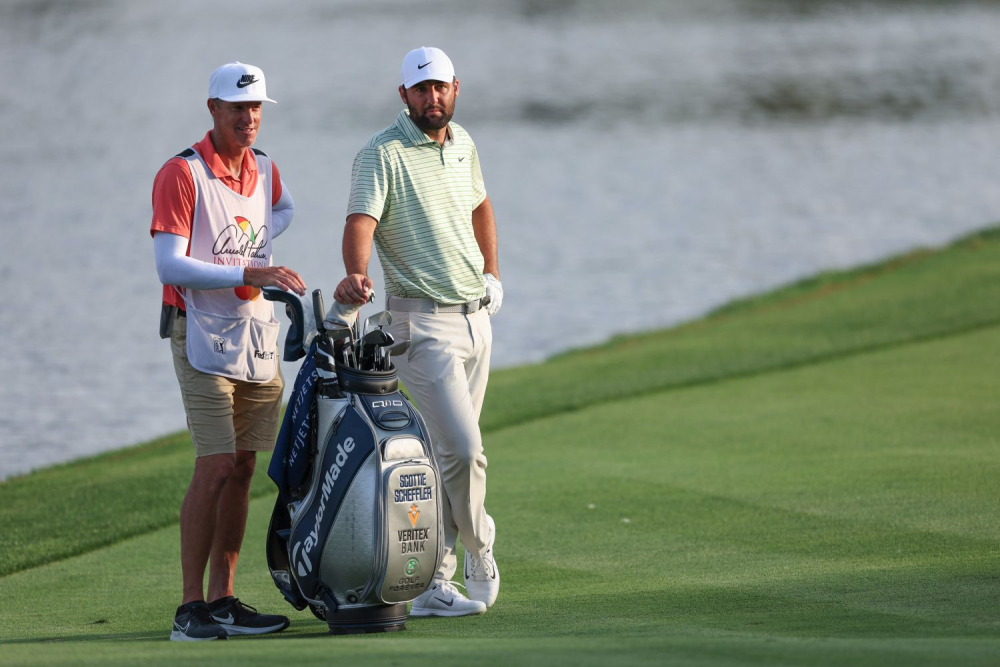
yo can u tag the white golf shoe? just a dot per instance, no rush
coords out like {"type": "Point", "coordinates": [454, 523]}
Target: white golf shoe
{"type": "Point", "coordinates": [482, 576]}
{"type": "Point", "coordinates": [444, 599]}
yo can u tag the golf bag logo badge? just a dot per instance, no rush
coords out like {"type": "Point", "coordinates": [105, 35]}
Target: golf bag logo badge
{"type": "Point", "coordinates": [412, 567]}
{"type": "Point", "coordinates": [414, 514]}
{"type": "Point", "coordinates": [219, 344]}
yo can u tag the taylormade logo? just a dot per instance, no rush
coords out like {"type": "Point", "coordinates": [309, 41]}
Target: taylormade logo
{"type": "Point", "coordinates": [300, 552]}
{"type": "Point", "coordinates": [305, 565]}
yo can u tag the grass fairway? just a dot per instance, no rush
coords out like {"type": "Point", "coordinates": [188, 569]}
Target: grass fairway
{"type": "Point", "coordinates": [821, 490]}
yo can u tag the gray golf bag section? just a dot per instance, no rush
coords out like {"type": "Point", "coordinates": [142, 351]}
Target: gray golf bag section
{"type": "Point", "coordinates": [356, 531]}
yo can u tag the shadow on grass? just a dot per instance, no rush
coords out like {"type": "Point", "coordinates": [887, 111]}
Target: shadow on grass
{"type": "Point", "coordinates": [117, 636]}
{"type": "Point", "coordinates": [153, 636]}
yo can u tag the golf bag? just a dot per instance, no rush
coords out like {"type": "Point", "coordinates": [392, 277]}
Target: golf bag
{"type": "Point", "coordinates": [356, 530]}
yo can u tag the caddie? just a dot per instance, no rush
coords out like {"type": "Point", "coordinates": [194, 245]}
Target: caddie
{"type": "Point", "coordinates": [217, 208]}
{"type": "Point", "coordinates": [417, 189]}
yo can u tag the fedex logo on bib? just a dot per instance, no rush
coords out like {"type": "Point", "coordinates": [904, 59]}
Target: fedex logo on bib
{"type": "Point", "coordinates": [239, 244]}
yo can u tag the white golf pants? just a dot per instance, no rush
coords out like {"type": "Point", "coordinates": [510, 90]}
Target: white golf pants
{"type": "Point", "coordinates": [445, 371]}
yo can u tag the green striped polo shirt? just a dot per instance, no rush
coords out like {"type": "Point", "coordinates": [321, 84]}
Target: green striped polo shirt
{"type": "Point", "coordinates": [422, 195]}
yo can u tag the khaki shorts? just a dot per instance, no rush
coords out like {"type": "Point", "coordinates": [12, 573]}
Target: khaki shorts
{"type": "Point", "coordinates": [224, 415]}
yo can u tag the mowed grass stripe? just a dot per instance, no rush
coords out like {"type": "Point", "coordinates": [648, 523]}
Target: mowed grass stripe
{"type": "Point", "coordinates": [681, 650]}
{"type": "Point", "coordinates": [95, 502]}
{"type": "Point", "coordinates": [790, 517]}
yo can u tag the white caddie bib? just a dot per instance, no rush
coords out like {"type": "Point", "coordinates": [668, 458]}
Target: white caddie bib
{"type": "Point", "coordinates": [231, 332]}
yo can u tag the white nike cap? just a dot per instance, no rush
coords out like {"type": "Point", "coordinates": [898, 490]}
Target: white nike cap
{"type": "Point", "coordinates": [237, 82]}
{"type": "Point", "coordinates": [426, 64]}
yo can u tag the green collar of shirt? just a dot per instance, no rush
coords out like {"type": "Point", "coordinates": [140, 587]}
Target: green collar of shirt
{"type": "Point", "coordinates": [414, 134]}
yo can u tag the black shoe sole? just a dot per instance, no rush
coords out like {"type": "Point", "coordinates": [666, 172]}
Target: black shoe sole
{"type": "Point", "coordinates": [178, 636]}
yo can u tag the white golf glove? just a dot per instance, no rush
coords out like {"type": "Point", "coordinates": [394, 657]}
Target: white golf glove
{"type": "Point", "coordinates": [342, 315]}
{"type": "Point", "coordinates": [494, 290]}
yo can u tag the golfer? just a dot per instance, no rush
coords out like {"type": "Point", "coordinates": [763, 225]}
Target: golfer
{"type": "Point", "coordinates": [418, 190]}
{"type": "Point", "coordinates": [217, 207]}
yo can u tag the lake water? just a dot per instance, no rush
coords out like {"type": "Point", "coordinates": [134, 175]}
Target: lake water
{"type": "Point", "coordinates": [648, 161]}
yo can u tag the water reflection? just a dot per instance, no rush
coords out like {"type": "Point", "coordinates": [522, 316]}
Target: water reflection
{"type": "Point", "coordinates": [694, 150]}
{"type": "Point", "coordinates": [893, 95]}
{"type": "Point", "coordinates": [885, 95]}
{"type": "Point", "coordinates": [818, 7]}
{"type": "Point", "coordinates": [533, 9]}
{"type": "Point", "coordinates": [36, 8]}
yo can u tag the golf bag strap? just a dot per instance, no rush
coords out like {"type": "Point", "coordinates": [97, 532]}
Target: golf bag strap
{"type": "Point", "coordinates": [326, 597]}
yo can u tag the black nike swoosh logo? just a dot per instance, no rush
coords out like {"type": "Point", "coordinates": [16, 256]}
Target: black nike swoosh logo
{"type": "Point", "coordinates": [243, 83]}
{"type": "Point", "coordinates": [443, 601]}
{"type": "Point", "coordinates": [424, 65]}
{"type": "Point", "coordinates": [460, 159]}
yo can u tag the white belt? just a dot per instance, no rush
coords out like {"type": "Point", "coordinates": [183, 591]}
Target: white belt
{"type": "Point", "coordinates": [417, 305]}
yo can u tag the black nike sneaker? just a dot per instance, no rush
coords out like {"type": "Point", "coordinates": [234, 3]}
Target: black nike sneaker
{"type": "Point", "coordinates": [193, 623]}
{"type": "Point", "coordinates": [242, 619]}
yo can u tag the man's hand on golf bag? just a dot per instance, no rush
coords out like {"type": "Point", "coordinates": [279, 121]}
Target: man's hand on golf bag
{"type": "Point", "coordinates": [354, 289]}
{"type": "Point", "coordinates": [274, 276]}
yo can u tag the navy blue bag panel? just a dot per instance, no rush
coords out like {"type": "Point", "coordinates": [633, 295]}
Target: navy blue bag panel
{"type": "Point", "coordinates": [349, 446]}
{"type": "Point", "coordinates": [277, 556]}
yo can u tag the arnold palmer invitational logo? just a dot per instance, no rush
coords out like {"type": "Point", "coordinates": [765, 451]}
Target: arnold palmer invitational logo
{"type": "Point", "coordinates": [239, 244]}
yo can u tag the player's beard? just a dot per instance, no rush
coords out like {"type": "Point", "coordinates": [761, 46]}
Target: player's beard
{"type": "Point", "coordinates": [428, 124]}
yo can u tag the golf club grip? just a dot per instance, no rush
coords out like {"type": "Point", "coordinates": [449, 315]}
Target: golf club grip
{"type": "Point", "coordinates": [318, 309]}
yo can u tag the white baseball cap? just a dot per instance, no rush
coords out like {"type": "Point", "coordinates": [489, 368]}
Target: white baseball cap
{"type": "Point", "coordinates": [236, 82]}
{"type": "Point", "coordinates": [426, 64]}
